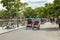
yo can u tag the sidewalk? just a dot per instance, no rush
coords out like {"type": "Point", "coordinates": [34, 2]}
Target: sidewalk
{"type": "Point", "coordinates": [46, 25]}
{"type": "Point", "coordinates": [49, 25]}
{"type": "Point", "coordinates": [2, 31]}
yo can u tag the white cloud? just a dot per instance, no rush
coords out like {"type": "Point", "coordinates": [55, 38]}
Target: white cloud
{"type": "Point", "coordinates": [33, 3]}
{"type": "Point", "coordinates": [36, 0]}
{"type": "Point", "coordinates": [24, 0]}
{"type": "Point", "coordinates": [37, 3]}
{"type": "Point", "coordinates": [50, 1]}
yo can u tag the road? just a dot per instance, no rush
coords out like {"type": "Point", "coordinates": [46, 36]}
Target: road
{"type": "Point", "coordinates": [45, 33]}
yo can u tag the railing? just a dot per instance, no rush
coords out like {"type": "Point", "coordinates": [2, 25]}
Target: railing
{"type": "Point", "coordinates": [10, 23]}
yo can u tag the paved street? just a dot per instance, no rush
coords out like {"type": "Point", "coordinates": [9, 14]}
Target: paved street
{"type": "Point", "coordinates": [45, 33]}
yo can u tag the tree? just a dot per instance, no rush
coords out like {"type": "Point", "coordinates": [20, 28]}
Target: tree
{"type": "Point", "coordinates": [57, 7]}
{"type": "Point", "coordinates": [49, 10]}
{"type": "Point", "coordinates": [28, 12]}
{"type": "Point", "coordinates": [22, 9]}
{"type": "Point", "coordinates": [12, 6]}
{"type": "Point", "coordinates": [39, 11]}
{"type": "Point", "coordinates": [57, 2]}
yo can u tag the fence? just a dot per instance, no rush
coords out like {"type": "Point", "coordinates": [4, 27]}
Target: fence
{"type": "Point", "coordinates": [11, 23]}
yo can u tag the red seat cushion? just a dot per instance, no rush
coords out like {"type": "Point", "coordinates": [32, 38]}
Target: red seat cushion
{"type": "Point", "coordinates": [36, 23]}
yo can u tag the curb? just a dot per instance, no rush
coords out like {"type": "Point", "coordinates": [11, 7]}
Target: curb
{"type": "Point", "coordinates": [11, 30]}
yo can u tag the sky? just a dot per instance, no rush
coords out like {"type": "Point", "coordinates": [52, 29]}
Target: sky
{"type": "Point", "coordinates": [37, 3]}
{"type": "Point", "coordinates": [33, 3]}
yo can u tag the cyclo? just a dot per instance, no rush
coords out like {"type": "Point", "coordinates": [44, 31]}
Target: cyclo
{"type": "Point", "coordinates": [29, 23]}
{"type": "Point", "coordinates": [36, 23]}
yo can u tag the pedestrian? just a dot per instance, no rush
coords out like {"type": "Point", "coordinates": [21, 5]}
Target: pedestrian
{"type": "Point", "coordinates": [58, 21]}
{"type": "Point", "coordinates": [52, 20]}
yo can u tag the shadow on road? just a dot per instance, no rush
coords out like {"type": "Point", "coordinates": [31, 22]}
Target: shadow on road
{"type": "Point", "coordinates": [45, 29]}
{"type": "Point", "coordinates": [50, 29]}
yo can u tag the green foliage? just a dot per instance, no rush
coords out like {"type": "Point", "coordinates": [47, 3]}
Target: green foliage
{"type": "Point", "coordinates": [39, 11]}
{"type": "Point", "coordinates": [29, 12]}
{"type": "Point", "coordinates": [49, 10]}
{"type": "Point", "coordinates": [13, 7]}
